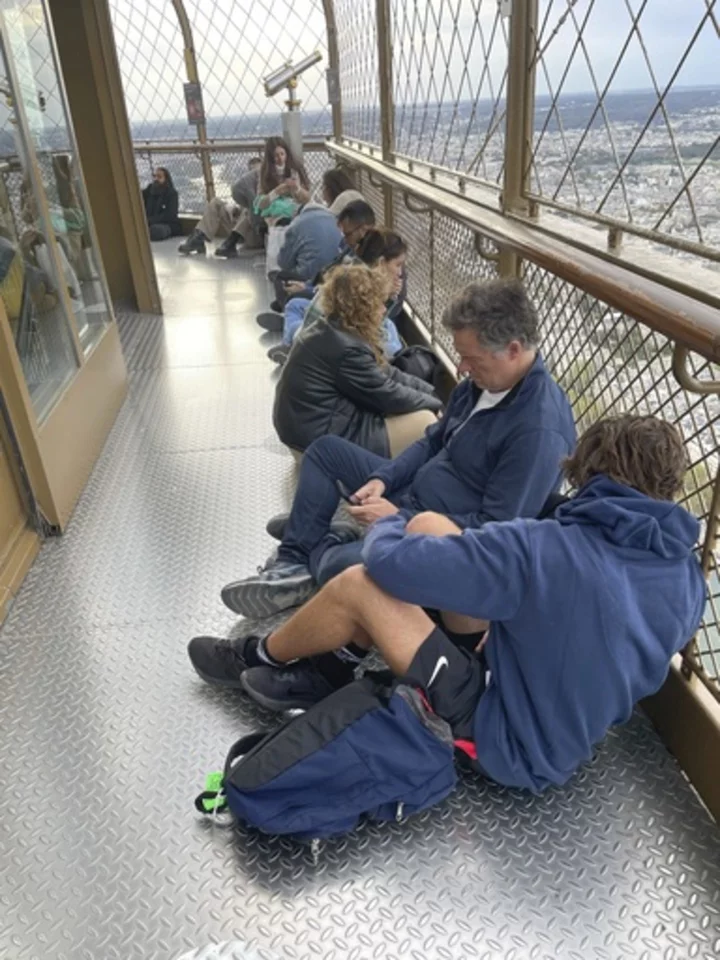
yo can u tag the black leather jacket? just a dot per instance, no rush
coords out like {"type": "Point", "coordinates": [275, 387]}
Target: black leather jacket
{"type": "Point", "coordinates": [332, 384]}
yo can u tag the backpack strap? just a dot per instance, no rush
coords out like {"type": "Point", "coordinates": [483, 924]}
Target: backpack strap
{"type": "Point", "coordinates": [212, 799]}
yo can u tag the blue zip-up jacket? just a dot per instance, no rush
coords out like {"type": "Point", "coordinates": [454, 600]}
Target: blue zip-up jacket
{"type": "Point", "coordinates": [311, 242]}
{"type": "Point", "coordinates": [586, 611]}
{"type": "Point", "coordinates": [502, 464]}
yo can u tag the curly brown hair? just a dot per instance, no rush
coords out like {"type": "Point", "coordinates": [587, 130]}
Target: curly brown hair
{"type": "Point", "coordinates": [354, 296]}
{"type": "Point", "coordinates": [645, 453]}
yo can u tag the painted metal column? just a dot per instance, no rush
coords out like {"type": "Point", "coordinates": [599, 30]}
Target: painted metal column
{"type": "Point", "coordinates": [191, 70]}
{"type": "Point", "coordinates": [387, 106]}
{"type": "Point", "coordinates": [520, 116]}
{"type": "Point", "coordinates": [334, 89]}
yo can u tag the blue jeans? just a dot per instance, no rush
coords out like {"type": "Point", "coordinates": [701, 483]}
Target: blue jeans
{"type": "Point", "coordinates": [295, 311]}
{"type": "Point", "coordinates": [308, 539]}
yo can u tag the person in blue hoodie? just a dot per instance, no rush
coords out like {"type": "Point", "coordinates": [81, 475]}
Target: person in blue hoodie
{"type": "Point", "coordinates": [586, 610]}
{"type": "Point", "coordinates": [495, 455]}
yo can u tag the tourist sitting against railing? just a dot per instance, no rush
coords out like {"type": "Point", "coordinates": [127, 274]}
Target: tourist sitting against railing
{"type": "Point", "coordinates": [284, 185]}
{"type": "Point", "coordinates": [378, 248]}
{"type": "Point", "coordinates": [354, 220]}
{"type": "Point", "coordinates": [312, 240]}
{"type": "Point", "coordinates": [337, 380]}
{"type": "Point", "coordinates": [585, 610]}
{"type": "Point", "coordinates": [161, 206]}
{"type": "Point", "coordinates": [233, 220]}
{"type": "Point", "coordinates": [495, 455]}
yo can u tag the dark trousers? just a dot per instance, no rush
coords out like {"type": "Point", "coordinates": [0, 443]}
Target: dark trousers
{"type": "Point", "coordinates": [279, 281]}
{"type": "Point", "coordinates": [308, 539]}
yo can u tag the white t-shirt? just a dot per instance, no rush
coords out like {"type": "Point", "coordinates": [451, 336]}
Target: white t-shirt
{"type": "Point", "coordinates": [486, 400]}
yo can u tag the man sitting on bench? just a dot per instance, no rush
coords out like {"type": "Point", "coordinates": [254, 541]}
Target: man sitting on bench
{"type": "Point", "coordinates": [585, 611]}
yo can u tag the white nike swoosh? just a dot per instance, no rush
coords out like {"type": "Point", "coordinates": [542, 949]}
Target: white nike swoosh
{"type": "Point", "coordinates": [442, 662]}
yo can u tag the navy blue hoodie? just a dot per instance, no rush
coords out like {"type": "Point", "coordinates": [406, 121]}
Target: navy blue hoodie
{"type": "Point", "coordinates": [502, 463]}
{"type": "Point", "coordinates": [587, 610]}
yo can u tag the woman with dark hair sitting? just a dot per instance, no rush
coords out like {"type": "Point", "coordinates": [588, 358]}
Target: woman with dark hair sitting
{"type": "Point", "coordinates": [337, 379]}
{"type": "Point", "coordinates": [161, 206]}
{"type": "Point", "coordinates": [284, 184]}
{"type": "Point", "coordinates": [383, 249]}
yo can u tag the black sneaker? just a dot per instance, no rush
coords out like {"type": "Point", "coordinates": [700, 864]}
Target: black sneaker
{"type": "Point", "coordinates": [279, 353]}
{"type": "Point", "coordinates": [195, 243]}
{"type": "Point", "coordinates": [228, 248]}
{"type": "Point", "coordinates": [221, 661]}
{"type": "Point", "coordinates": [295, 687]}
{"type": "Point", "coordinates": [270, 321]}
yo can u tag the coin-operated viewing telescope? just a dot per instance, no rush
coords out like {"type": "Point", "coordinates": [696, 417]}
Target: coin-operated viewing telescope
{"type": "Point", "coordinates": [286, 77]}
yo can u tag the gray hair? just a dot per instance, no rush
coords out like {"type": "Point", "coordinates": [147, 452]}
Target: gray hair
{"type": "Point", "coordinates": [497, 312]}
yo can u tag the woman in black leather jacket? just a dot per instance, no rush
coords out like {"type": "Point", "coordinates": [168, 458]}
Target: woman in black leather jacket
{"type": "Point", "coordinates": [336, 379]}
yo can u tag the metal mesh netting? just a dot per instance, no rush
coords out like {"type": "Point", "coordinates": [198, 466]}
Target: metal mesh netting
{"type": "Point", "coordinates": [450, 73]}
{"type": "Point", "coordinates": [227, 166]}
{"type": "Point", "coordinates": [608, 363]}
{"type": "Point", "coordinates": [236, 44]}
{"type": "Point", "coordinates": [359, 79]}
{"type": "Point", "coordinates": [639, 142]}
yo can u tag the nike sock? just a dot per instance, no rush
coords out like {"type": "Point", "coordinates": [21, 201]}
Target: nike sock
{"type": "Point", "coordinates": [338, 667]}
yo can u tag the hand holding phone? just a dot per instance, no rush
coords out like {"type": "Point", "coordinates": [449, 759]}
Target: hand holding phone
{"type": "Point", "coordinates": [346, 494]}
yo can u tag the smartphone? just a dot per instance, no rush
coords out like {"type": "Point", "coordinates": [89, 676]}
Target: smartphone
{"type": "Point", "coordinates": [347, 496]}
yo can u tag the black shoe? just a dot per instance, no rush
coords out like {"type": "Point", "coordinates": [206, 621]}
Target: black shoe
{"type": "Point", "coordinates": [276, 525]}
{"type": "Point", "coordinates": [228, 248]}
{"type": "Point", "coordinates": [195, 243]}
{"type": "Point", "coordinates": [223, 662]}
{"type": "Point", "coordinates": [279, 353]}
{"type": "Point", "coordinates": [270, 321]}
{"type": "Point", "coordinates": [292, 688]}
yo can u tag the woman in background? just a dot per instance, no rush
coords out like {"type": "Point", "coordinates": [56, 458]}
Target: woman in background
{"type": "Point", "coordinates": [284, 184]}
{"type": "Point", "coordinates": [161, 206]}
{"type": "Point", "coordinates": [337, 379]}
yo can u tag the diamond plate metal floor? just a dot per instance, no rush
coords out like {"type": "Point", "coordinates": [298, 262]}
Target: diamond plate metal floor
{"type": "Point", "coordinates": [106, 733]}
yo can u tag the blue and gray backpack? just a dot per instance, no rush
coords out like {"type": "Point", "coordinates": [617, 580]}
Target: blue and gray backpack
{"type": "Point", "coordinates": [370, 750]}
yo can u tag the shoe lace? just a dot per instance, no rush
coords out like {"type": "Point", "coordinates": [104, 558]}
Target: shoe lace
{"type": "Point", "coordinates": [230, 652]}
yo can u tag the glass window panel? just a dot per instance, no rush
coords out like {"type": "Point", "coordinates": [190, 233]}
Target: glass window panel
{"type": "Point", "coordinates": [28, 285]}
{"type": "Point", "coordinates": [30, 43]}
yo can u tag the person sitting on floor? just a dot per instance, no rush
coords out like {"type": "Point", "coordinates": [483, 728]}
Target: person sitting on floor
{"type": "Point", "coordinates": [313, 239]}
{"type": "Point", "coordinates": [232, 220]}
{"type": "Point", "coordinates": [354, 219]}
{"type": "Point", "coordinates": [161, 206]}
{"type": "Point", "coordinates": [284, 184]}
{"type": "Point", "coordinates": [382, 249]}
{"type": "Point", "coordinates": [495, 455]}
{"type": "Point", "coordinates": [337, 380]}
{"type": "Point", "coordinates": [585, 611]}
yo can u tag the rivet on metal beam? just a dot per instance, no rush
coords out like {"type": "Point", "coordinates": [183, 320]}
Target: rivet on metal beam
{"type": "Point", "coordinates": [614, 239]}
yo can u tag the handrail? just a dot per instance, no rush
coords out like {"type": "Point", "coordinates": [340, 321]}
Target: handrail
{"type": "Point", "coordinates": [216, 146]}
{"type": "Point", "coordinates": [676, 315]}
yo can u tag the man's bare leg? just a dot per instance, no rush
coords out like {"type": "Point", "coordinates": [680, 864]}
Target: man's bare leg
{"type": "Point", "coordinates": [353, 609]}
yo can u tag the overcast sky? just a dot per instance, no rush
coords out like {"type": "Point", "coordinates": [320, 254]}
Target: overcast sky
{"type": "Point", "coordinates": [239, 41]}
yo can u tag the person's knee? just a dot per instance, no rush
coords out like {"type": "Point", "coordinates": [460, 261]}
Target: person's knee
{"type": "Point", "coordinates": [351, 587]}
{"type": "Point", "coordinates": [433, 525]}
{"type": "Point", "coordinates": [324, 448]}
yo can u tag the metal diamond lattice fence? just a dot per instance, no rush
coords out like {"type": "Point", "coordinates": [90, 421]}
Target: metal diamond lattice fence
{"type": "Point", "coordinates": [626, 122]}
{"type": "Point", "coordinates": [450, 76]}
{"type": "Point", "coordinates": [236, 44]}
{"type": "Point", "coordinates": [359, 78]}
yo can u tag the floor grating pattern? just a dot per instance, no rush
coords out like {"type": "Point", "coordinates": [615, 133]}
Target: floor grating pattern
{"type": "Point", "coordinates": [106, 733]}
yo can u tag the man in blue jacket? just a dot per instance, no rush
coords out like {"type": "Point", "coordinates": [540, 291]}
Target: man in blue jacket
{"type": "Point", "coordinates": [495, 455]}
{"type": "Point", "coordinates": [586, 610]}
